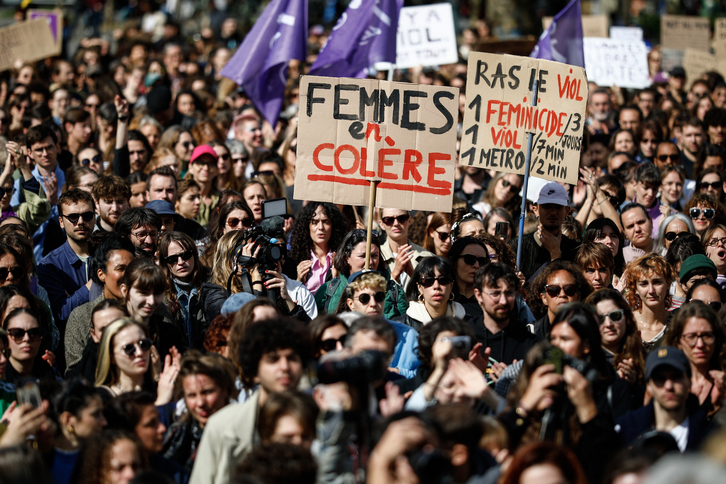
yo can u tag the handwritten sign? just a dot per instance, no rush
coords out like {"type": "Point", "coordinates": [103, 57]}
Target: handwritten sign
{"type": "Point", "coordinates": [499, 113]}
{"type": "Point", "coordinates": [29, 41]}
{"type": "Point", "coordinates": [719, 38]}
{"type": "Point", "coordinates": [611, 62]}
{"type": "Point", "coordinates": [592, 25]}
{"type": "Point", "coordinates": [681, 32]}
{"type": "Point", "coordinates": [697, 63]}
{"type": "Point", "coordinates": [670, 58]}
{"type": "Point", "coordinates": [352, 131]}
{"type": "Point", "coordinates": [631, 34]}
{"type": "Point", "coordinates": [55, 22]}
{"type": "Point", "coordinates": [426, 36]}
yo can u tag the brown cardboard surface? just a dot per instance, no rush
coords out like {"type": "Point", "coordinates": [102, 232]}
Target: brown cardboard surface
{"type": "Point", "coordinates": [58, 13]}
{"type": "Point", "coordinates": [344, 142]}
{"type": "Point", "coordinates": [29, 41]}
{"type": "Point", "coordinates": [719, 38]}
{"type": "Point", "coordinates": [681, 32]}
{"type": "Point", "coordinates": [499, 113]}
{"type": "Point", "coordinates": [696, 63]}
{"type": "Point", "coordinates": [592, 25]}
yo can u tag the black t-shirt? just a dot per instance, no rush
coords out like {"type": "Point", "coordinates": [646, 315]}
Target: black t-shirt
{"type": "Point", "coordinates": [534, 255]}
{"type": "Point", "coordinates": [512, 343]}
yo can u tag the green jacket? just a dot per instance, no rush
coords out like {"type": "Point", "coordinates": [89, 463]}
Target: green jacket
{"type": "Point", "coordinates": [328, 297]}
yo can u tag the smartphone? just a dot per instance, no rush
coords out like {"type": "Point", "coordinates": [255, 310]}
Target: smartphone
{"type": "Point", "coordinates": [501, 230]}
{"type": "Point", "coordinates": [554, 356]}
{"type": "Point", "coordinates": [460, 343]}
{"type": "Point", "coordinates": [277, 207]}
{"type": "Point", "coordinates": [29, 393]}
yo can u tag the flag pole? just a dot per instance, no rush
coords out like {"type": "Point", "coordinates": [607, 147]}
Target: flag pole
{"type": "Point", "coordinates": [391, 69]}
{"type": "Point", "coordinates": [527, 160]}
{"type": "Point", "coordinates": [369, 234]}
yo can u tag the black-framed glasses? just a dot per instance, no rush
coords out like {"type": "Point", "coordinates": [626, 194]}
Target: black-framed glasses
{"type": "Point", "coordinates": [402, 219]}
{"type": "Point", "coordinates": [130, 349]}
{"type": "Point", "coordinates": [224, 156]}
{"type": "Point", "coordinates": [709, 213]}
{"type": "Point", "coordinates": [471, 259]}
{"type": "Point", "coordinates": [73, 217]}
{"type": "Point", "coordinates": [673, 157]}
{"type": "Point", "coordinates": [715, 185]}
{"type": "Point", "coordinates": [255, 174]}
{"type": "Point", "coordinates": [17, 334]}
{"type": "Point", "coordinates": [554, 290]}
{"type": "Point", "coordinates": [671, 236]}
{"type": "Point", "coordinates": [6, 191]}
{"type": "Point", "coordinates": [141, 236]}
{"type": "Point", "coordinates": [87, 161]}
{"type": "Point", "coordinates": [378, 297]}
{"type": "Point", "coordinates": [615, 316]}
{"type": "Point", "coordinates": [330, 344]}
{"type": "Point", "coordinates": [188, 145]}
{"type": "Point", "coordinates": [16, 271]}
{"type": "Point", "coordinates": [443, 236]}
{"type": "Point", "coordinates": [513, 189]}
{"type": "Point", "coordinates": [715, 241]}
{"type": "Point", "coordinates": [172, 259]}
{"type": "Point", "coordinates": [691, 338]}
{"type": "Point", "coordinates": [428, 281]}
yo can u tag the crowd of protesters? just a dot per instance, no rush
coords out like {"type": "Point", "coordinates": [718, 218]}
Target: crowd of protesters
{"type": "Point", "coordinates": [157, 327]}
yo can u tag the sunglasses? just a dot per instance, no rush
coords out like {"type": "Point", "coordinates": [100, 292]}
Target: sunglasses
{"type": "Point", "coordinates": [428, 281]}
{"type": "Point", "coordinates": [328, 345]}
{"type": "Point", "coordinates": [225, 156]}
{"type": "Point", "coordinates": [243, 159]}
{"type": "Point", "coordinates": [708, 213]}
{"type": "Point", "coordinates": [402, 219]}
{"type": "Point", "coordinates": [443, 236]}
{"type": "Point", "coordinates": [513, 189]}
{"type": "Point", "coordinates": [73, 217]}
{"type": "Point", "coordinates": [130, 349]}
{"type": "Point", "coordinates": [16, 272]}
{"type": "Point", "coordinates": [615, 316]}
{"type": "Point", "coordinates": [96, 159]}
{"type": "Point", "coordinates": [366, 298]}
{"type": "Point", "coordinates": [188, 145]}
{"type": "Point", "coordinates": [172, 259]}
{"type": "Point", "coordinates": [554, 290]}
{"type": "Point", "coordinates": [671, 236]}
{"type": "Point", "coordinates": [669, 157]}
{"type": "Point", "coordinates": [715, 305]}
{"type": "Point", "coordinates": [715, 185]}
{"type": "Point", "coordinates": [6, 191]}
{"type": "Point", "coordinates": [470, 260]}
{"type": "Point", "coordinates": [235, 222]}
{"type": "Point", "coordinates": [263, 173]}
{"type": "Point", "coordinates": [91, 106]}
{"type": "Point", "coordinates": [17, 334]}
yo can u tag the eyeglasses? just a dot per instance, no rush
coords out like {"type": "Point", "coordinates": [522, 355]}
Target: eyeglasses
{"type": "Point", "coordinates": [6, 191]}
{"type": "Point", "coordinates": [365, 298]}
{"type": "Point", "coordinates": [714, 242]}
{"type": "Point", "coordinates": [330, 344]}
{"type": "Point", "coordinates": [671, 236]}
{"type": "Point", "coordinates": [715, 305]}
{"type": "Point", "coordinates": [708, 213]}
{"type": "Point", "coordinates": [615, 316]}
{"type": "Point", "coordinates": [225, 156]}
{"type": "Point", "coordinates": [18, 334]}
{"type": "Point", "coordinates": [428, 281]}
{"type": "Point", "coordinates": [402, 219]}
{"type": "Point", "coordinates": [691, 338]}
{"type": "Point", "coordinates": [91, 106]}
{"type": "Point", "coordinates": [172, 259]}
{"type": "Point", "coordinates": [614, 200]}
{"type": "Point", "coordinates": [235, 222]}
{"type": "Point", "coordinates": [673, 157]}
{"type": "Point", "coordinates": [141, 236]}
{"type": "Point", "coordinates": [715, 185]}
{"type": "Point", "coordinates": [73, 217]}
{"type": "Point", "coordinates": [16, 272]}
{"type": "Point", "coordinates": [255, 174]}
{"type": "Point", "coordinates": [471, 259]}
{"type": "Point", "coordinates": [130, 349]}
{"type": "Point", "coordinates": [513, 189]}
{"type": "Point", "coordinates": [88, 161]}
{"type": "Point", "coordinates": [188, 145]}
{"type": "Point", "coordinates": [443, 236]}
{"type": "Point", "coordinates": [554, 290]}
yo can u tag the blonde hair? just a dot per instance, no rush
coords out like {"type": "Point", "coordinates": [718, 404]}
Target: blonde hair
{"type": "Point", "coordinates": [106, 372]}
{"type": "Point", "coordinates": [161, 152]}
{"type": "Point", "coordinates": [222, 260]}
{"type": "Point", "coordinates": [371, 280]}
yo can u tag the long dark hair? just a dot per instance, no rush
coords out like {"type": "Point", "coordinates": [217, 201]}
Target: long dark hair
{"type": "Point", "coordinates": [201, 273]}
{"type": "Point", "coordinates": [593, 231]}
{"type": "Point", "coordinates": [345, 249]}
{"type": "Point", "coordinates": [698, 309]}
{"type": "Point", "coordinates": [301, 243]}
{"type": "Point", "coordinates": [427, 268]}
{"type": "Point", "coordinates": [216, 230]}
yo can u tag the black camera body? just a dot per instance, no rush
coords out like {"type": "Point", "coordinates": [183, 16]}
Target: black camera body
{"type": "Point", "coordinates": [360, 370]}
{"type": "Point", "coordinates": [555, 356]}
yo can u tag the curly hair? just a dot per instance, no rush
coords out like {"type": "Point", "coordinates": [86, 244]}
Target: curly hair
{"type": "Point", "coordinates": [302, 244]}
{"type": "Point", "coordinates": [501, 248]}
{"type": "Point", "coordinates": [95, 457]}
{"type": "Point", "coordinates": [538, 285]}
{"type": "Point", "coordinates": [214, 337]}
{"type": "Point", "coordinates": [700, 198]}
{"type": "Point", "coordinates": [222, 267]}
{"type": "Point", "coordinates": [427, 336]}
{"type": "Point", "coordinates": [698, 309]}
{"type": "Point", "coordinates": [641, 267]}
{"type": "Point", "coordinates": [243, 319]}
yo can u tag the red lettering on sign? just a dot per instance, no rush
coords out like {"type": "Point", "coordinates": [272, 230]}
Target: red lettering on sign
{"type": "Point", "coordinates": [356, 160]}
{"type": "Point", "coordinates": [411, 160]}
{"type": "Point", "coordinates": [363, 160]}
{"type": "Point", "coordinates": [435, 170]}
{"type": "Point", "coordinates": [316, 156]}
{"type": "Point", "coordinates": [383, 162]}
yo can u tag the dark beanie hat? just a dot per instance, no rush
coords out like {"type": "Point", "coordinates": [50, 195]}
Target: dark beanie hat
{"type": "Point", "coordinates": [159, 99]}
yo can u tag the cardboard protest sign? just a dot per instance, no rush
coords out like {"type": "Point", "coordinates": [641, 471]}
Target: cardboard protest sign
{"type": "Point", "coordinates": [352, 131]}
{"type": "Point", "coordinates": [632, 34]}
{"type": "Point", "coordinates": [426, 36]}
{"type": "Point", "coordinates": [719, 38]}
{"type": "Point", "coordinates": [55, 22]}
{"type": "Point", "coordinates": [696, 62]}
{"type": "Point", "coordinates": [499, 113]}
{"type": "Point", "coordinates": [681, 32]}
{"type": "Point", "coordinates": [670, 58]}
{"type": "Point", "coordinates": [611, 62]}
{"type": "Point", "coordinates": [29, 41]}
{"type": "Point", "coordinates": [592, 25]}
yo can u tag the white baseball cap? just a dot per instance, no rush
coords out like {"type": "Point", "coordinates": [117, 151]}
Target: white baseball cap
{"type": "Point", "coordinates": [553, 192]}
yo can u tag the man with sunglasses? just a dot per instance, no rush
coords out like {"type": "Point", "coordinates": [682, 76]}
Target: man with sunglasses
{"type": "Point", "coordinates": [397, 252]}
{"type": "Point", "coordinates": [64, 271]}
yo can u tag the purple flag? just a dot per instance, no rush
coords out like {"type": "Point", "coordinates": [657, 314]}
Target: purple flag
{"type": "Point", "coordinates": [365, 34]}
{"type": "Point", "coordinates": [562, 41]}
{"type": "Point", "coordinates": [260, 63]}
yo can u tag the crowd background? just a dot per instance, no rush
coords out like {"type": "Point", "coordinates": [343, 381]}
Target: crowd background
{"type": "Point", "coordinates": [152, 332]}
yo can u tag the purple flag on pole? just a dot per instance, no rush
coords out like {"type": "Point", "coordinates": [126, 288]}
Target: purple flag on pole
{"type": "Point", "coordinates": [365, 34]}
{"type": "Point", "coordinates": [260, 63]}
{"type": "Point", "coordinates": [562, 41]}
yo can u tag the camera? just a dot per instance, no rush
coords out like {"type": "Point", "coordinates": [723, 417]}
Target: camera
{"type": "Point", "coordinates": [555, 356]}
{"type": "Point", "coordinates": [366, 367]}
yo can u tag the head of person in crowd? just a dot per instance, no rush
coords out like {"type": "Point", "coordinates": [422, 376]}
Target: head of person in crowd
{"type": "Point", "coordinates": [647, 282]}
{"type": "Point", "coordinates": [681, 249]}
{"type": "Point", "coordinates": [637, 226]}
{"type": "Point", "coordinates": [253, 311]}
{"type": "Point", "coordinates": [90, 158]}
{"type": "Point", "coordinates": [713, 157]}
{"type": "Point", "coordinates": [165, 211]}
{"type": "Point", "coordinates": [701, 106]}
{"type": "Point", "coordinates": [77, 125]}
{"type": "Point", "coordinates": [710, 182]}
{"type": "Point", "coordinates": [112, 195]}
{"type": "Point", "coordinates": [273, 355]}
{"type": "Point", "coordinates": [151, 129]}
{"type": "Point", "coordinates": [254, 194]}
{"type": "Point", "coordinates": [188, 199]}
{"type": "Point", "coordinates": [24, 339]}
{"type": "Point", "coordinates": [432, 337]}
{"type": "Point", "coordinates": [216, 337]}
{"type": "Point", "coordinates": [114, 457]}
{"type": "Point", "coordinates": [431, 290]}
{"type": "Point", "coordinates": [180, 141]}
{"type": "Point", "coordinates": [667, 154]}
{"type": "Point", "coordinates": [77, 410]}
{"type": "Point", "coordinates": [715, 123]}
{"type": "Point", "coordinates": [327, 333]}
{"type": "Point", "coordinates": [698, 333]}
{"type": "Point", "coordinates": [180, 263]}
{"type": "Point", "coordinates": [496, 216]}
{"type": "Point", "coordinates": [365, 293]}
{"type": "Point", "coordinates": [222, 262]}
{"type": "Point", "coordinates": [498, 250]}
{"type": "Point", "coordinates": [105, 313]}
{"type": "Point", "coordinates": [135, 412]}
{"type": "Point", "coordinates": [623, 141]}
{"type": "Point", "coordinates": [124, 356]}
{"type": "Point", "coordinates": [630, 117]}
{"type": "Point", "coordinates": [693, 137]}
{"type": "Point", "coordinates": [559, 283]}
{"type": "Point", "coordinates": [652, 135]}
{"type": "Point", "coordinates": [79, 177]}
{"type": "Point", "coordinates": [108, 265]}
{"type": "Point", "coordinates": [203, 166]}
{"type": "Point", "coordinates": [544, 462]}
{"type": "Point", "coordinates": [619, 333]}
{"type": "Point", "coordinates": [496, 287]}
{"type": "Point", "coordinates": [319, 230]}
{"type": "Point", "coordinates": [599, 105]}
{"type": "Point", "coordinates": [671, 228]}
{"type": "Point", "coordinates": [205, 383]}
{"type": "Point", "coordinates": [705, 211]}
{"type": "Point", "coordinates": [647, 185]}
{"type": "Point", "coordinates": [708, 292]}
{"type": "Point", "coordinates": [139, 151]}
{"type": "Point", "coordinates": [396, 223]}
{"type": "Point", "coordinates": [41, 143]}
{"type": "Point", "coordinates": [605, 231]}
{"type": "Point", "coordinates": [438, 234]}
{"type": "Point", "coordinates": [626, 173]}
{"type": "Point", "coordinates": [551, 207]}
{"type": "Point", "coordinates": [137, 184]}
{"type": "Point", "coordinates": [467, 255]}
{"type": "Point", "coordinates": [14, 269]}
{"type": "Point", "coordinates": [372, 333]}
{"type": "Point", "coordinates": [618, 161]}
{"type": "Point", "coordinates": [695, 268]}
{"type": "Point", "coordinates": [668, 379]}
{"type": "Point", "coordinates": [161, 184]}
{"type": "Point", "coordinates": [503, 191]}
{"type": "Point", "coordinates": [142, 227]}
{"type": "Point", "coordinates": [288, 417]}
{"type": "Point", "coordinates": [75, 216]}
{"type": "Point", "coordinates": [240, 158]}
{"type": "Point", "coordinates": [597, 263]}
{"type": "Point", "coordinates": [673, 179]}
{"type": "Point", "coordinates": [143, 286]}
{"type": "Point", "coordinates": [248, 131]}
{"type": "Point", "coordinates": [350, 256]}
{"type": "Point", "coordinates": [714, 240]}
{"type": "Point", "coordinates": [467, 226]}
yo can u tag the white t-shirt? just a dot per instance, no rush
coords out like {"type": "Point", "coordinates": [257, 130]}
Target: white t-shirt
{"type": "Point", "coordinates": [680, 433]}
{"type": "Point", "coordinates": [302, 296]}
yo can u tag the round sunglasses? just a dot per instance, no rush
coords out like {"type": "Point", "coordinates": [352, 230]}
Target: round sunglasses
{"type": "Point", "coordinates": [130, 349]}
{"type": "Point", "coordinates": [615, 316]}
{"type": "Point", "coordinates": [709, 213]}
{"type": "Point", "coordinates": [377, 297]}
{"type": "Point", "coordinates": [428, 281]}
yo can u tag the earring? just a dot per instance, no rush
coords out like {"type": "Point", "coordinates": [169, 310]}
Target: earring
{"type": "Point", "coordinates": [420, 298]}
{"type": "Point", "coordinates": [451, 296]}
{"type": "Point", "coordinates": [70, 429]}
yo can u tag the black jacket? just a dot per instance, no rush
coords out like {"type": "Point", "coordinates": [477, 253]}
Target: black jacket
{"type": "Point", "coordinates": [204, 307]}
{"type": "Point", "coordinates": [182, 441]}
{"type": "Point", "coordinates": [86, 367]}
{"type": "Point", "coordinates": [534, 255]}
{"type": "Point", "coordinates": [512, 343]}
